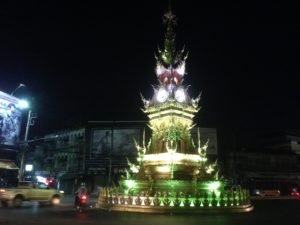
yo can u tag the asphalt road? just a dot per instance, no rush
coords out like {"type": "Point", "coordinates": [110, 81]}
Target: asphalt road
{"type": "Point", "coordinates": [267, 211]}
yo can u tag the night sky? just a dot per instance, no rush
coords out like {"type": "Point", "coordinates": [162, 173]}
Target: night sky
{"type": "Point", "coordinates": [84, 61]}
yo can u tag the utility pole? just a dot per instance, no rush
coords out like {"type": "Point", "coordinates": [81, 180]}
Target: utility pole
{"type": "Point", "coordinates": [25, 145]}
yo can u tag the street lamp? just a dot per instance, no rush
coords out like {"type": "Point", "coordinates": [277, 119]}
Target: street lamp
{"type": "Point", "coordinates": [20, 85]}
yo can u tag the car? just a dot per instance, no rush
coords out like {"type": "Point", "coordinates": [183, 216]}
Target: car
{"type": "Point", "coordinates": [269, 192]}
{"type": "Point", "coordinates": [30, 191]}
{"type": "Point", "coordinates": [254, 192]}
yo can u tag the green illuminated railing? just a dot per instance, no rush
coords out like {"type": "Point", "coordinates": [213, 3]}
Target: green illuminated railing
{"type": "Point", "coordinates": [226, 198]}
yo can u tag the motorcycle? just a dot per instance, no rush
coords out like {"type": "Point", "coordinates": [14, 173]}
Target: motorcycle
{"type": "Point", "coordinates": [81, 203]}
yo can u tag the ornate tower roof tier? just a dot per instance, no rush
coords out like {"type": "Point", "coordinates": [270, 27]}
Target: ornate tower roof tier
{"type": "Point", "coordinates": [171, 108]}
{"type": "Point", "coordinates": [171, 152]}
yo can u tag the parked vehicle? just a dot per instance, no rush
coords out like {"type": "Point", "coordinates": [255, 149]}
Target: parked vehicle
{"type": "Point", "coordinates": [29, 191]}
{"type": "Point", "coordinates": [255, 192]}
{"type": "Point", "coordinates": [269, 192]}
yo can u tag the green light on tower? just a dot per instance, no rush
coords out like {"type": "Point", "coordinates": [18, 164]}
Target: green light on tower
{"type": "Point", "coordinates": [130, 183]}
{"type": "Point", "coordinates": [214, 186]}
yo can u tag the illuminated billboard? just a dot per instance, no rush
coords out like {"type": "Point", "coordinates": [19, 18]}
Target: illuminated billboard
{"type": "Point", "coordinates": [117, 141]}
{"type": "Point", "coordinates": [124, 141]}
{"type": "Point", "coordinates": [101, 142]}
{"type": "Point", "coordinates": [10, 119]}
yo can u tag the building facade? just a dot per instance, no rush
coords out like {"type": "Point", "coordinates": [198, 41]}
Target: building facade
{"type": "Point", "coordinates": [97, 154]}
{"type": "Point", "coordinates": [274, 163]}
{"type": "Point", "coordinates": [59, 156]}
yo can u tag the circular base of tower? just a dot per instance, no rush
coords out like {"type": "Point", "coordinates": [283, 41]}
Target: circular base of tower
{"type": "Point", "coordinates": [185, 205]}
{"type": "Point", "coordinates": [175, 210]}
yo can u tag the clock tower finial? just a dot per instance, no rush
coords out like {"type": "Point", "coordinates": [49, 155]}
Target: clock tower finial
{"type": "Point", "coordinates": [170, 63]}
{"type": "Point", "coordinates": [168, 53]}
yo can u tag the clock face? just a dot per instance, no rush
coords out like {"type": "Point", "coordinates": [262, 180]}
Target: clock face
{"type": "Point", "coordinates": [180, 95]}
{"type": "Point", "coordinates": [162, 95]}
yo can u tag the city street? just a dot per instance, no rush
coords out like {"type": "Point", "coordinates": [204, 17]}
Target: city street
{"type": "Point", "coordinates": [267, 212]}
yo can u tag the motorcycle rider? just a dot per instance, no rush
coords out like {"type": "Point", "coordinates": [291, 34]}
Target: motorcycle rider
{"type": "Point", "coordinates": [82, 190]}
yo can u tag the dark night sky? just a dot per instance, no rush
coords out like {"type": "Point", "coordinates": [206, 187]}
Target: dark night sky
{"type": "Point", "coordinates": [89, 61]}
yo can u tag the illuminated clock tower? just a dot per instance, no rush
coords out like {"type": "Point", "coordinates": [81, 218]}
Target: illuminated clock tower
{"type": "Point", "coordinates": [171, 152]}
{"type": "Point", "coordinates": [172, 173]}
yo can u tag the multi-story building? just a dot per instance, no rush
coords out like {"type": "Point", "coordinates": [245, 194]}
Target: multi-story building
{"type": "Point", "coordinates": [97, 154]}
{"type": "Point", "coordinates": [61, 155]}
{"type": "Point", "coordinates": [274, 163]}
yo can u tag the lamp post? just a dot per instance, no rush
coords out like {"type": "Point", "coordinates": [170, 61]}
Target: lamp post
{"type": "Point", "coordinates": [23, 104]}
